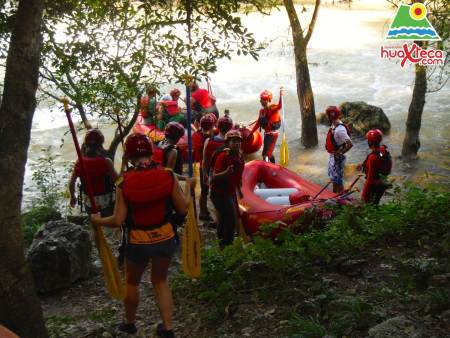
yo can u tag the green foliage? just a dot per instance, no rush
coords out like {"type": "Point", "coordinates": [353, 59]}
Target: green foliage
{"type": "Point", "coordinates": [264, 269]}
{"type": "Point", "coordinates": [306, 328]}
{"type": "Point", "coordinates": [46, 180]}
{"type": "Point", "coordinates": [107, 316]}
{"type": "Point", "coordinates": [59, 326]}
{"type": "Point", "coordinates": [33, 219]}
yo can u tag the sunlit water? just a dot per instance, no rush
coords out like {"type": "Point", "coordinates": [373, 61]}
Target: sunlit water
{"type": "Point", "coordinates": [344, 65]}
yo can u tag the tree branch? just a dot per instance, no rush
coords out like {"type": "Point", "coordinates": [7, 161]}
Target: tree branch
{"type": "Point", "coordinates": [313, 21]}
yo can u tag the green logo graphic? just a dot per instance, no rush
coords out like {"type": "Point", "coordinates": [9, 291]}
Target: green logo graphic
{"type": "Point", "coordinates": [411, 23]}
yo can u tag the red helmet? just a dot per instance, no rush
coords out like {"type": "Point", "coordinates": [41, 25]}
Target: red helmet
{"type": "Point", "coordinates": [266, 95]}
{"type": "Point", "coordinates": [175, 92]}
{"type": "Point", "coordinates": [94, 137]}
{"type": "Point", "coordinates": [374, 136]}
{"type": "Point", "coordinates": [224, 123]}
{"type": "Point", "coordinates": [138, 145]}
{"type": "Point", "coordinates": [174, 131]}
{"type": "Point", "coordinates": [333, 110]}
{"type": "Point", "coordinates": [234, 133]}
{"type": "Point", "coordinates": [208, 121]}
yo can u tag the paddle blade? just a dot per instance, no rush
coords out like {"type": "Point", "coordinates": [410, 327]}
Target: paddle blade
{"type": "Point", "coordinates": [113, 280]}
{"type": "Point", "coordinates": [191, 245]}
{"type": "Point", "coordinates": [284, 152]}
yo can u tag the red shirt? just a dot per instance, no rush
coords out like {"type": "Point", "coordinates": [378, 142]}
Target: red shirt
{"type": "Point", "coordinates": [198, 140]}
{"type": "Point", "coordinates": [228, 185]}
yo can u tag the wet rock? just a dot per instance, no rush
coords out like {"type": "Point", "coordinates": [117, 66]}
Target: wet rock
{"type": "Point", "coordinates": [397, 327]}
{"type": "Point", "coordinates": [59, 255]}
{"type": "Point", "coordinates": [361, 117]}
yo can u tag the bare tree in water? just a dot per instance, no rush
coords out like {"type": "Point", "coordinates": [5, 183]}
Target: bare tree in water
{"type": "Point", "coordinates": [20, 309]}
{"type": "Point", "coordinates": [304, 89]}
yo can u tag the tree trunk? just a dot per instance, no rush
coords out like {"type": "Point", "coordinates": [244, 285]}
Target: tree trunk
{"type": "Point", "coordinates": [304, 89]}
{"type": "Point", "coordinates": [411, 143]}
{"type": "Point", "coordinates": [306, 99]}
{"type": "Point", "coordinates": [19, 306]}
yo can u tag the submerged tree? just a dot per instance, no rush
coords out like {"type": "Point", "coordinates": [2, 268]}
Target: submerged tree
{"type": "Point", "coordinates": [19, 306]}
{"type": "Point", "coordinates": [304, 89]}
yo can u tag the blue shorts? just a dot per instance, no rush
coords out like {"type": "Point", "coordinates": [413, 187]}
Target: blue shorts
{"type": "Point", "coordinates": [336, 169]}
{"type": "Point", "coordinates": [141, 253]}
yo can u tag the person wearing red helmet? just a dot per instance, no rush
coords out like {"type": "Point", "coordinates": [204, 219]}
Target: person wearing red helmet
{"type": "Point", "coordinates": [226, 182]}
{"type": "Point", "coordinates": [269, 119]}
{"type": "Point", "coordinates": [171, 154]}
{"type": "Point", "coordinates": [337, 143]}
{"type": "Point", "coordinates": [202, 102]}
{"type": "Point", "coordinates": [100, 173]}
{"type": "Point", "coordinates": [212, 144]}
{"type": "Point", "coordinates": [199, 137]}
{"type": "Point", "coordinates": [377, 166]}
{"type": "Point", "coordinates": [147, 192]}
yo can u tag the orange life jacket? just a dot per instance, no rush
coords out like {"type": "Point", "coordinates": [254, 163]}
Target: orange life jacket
{"type": "Point", "coordinates": [148, 193]}
{"type": "Point", "coordinates": [270, 118]}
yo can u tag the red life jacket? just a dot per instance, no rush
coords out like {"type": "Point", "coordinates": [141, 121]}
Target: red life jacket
{"type": "Point", "coordinates": [214, 143]}
{"type": "Point", "coordinates": [158, 154]}
{"type": "Point", "coordinates": [148, 193]}
{"type": "Point", "coordinates": [201, 96]}
{"type": "Point", "coordinates": [171, 107]}
{"type": "Point", "coordinates": [97, 173]}
{"type": "Point", "coordinates": [270, 118]}
{"type": "Point", "coordinates": [198, 141]}
{"type": "Point", "coordinates": [330, 143]}
{"type": "Point", "coordinates": [227, 186]}
{"type": "Point", "coordinates": [384, 161]}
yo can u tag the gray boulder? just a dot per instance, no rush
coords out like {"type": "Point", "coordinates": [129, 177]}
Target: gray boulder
{"type": "Point", "coordinates": [397, 327]}
{"type": "Point", "coordinates": [361, 117]}
{"type": "Point", "coordinates": [59, 255]}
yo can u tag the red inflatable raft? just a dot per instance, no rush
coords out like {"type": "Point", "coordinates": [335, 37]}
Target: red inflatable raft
{"type": "Point", "coordinates": [273, 194]}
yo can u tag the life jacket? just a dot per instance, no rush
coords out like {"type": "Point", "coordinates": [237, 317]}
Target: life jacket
{"type": "Point", "coordinates": [198, 141]}
{"type": "Point", "coordinates": [330, 143]}
{"type": "Point", "coordinates": [201, 97]}
{"type": "Point", "coordinates": [148, 106]}
{"type": "Point", "coordinates": [171, 107]}
{"type": "Point", "coordinates": [158, 153]}
{"type": "Point", "coordinates": [97, 173]}
{"type": "Point", "coordinates": [148, 194]}
{"type": "Point", "coordinates": [213, 144]}
{"type": "Point", "coordinates": [229, 185]}
{"type": "Point", "coordinates": [269, 118]}
{"type": "Point", "coordinates": [385, 160]}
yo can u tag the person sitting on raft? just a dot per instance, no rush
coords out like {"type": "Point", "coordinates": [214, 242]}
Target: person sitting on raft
{"type": "Point", "coordinates": [226, 181]}
{"type": "Point", "coordinates": [148, 191]}
{"type": "Point", "coordinates": [100, 173]}
{"type": "Point", "coordinates": [269, 119]}
{"type": "Point", "coordinates": [171, 110]}
{"type": "Point", "coordinates": [201, 102]}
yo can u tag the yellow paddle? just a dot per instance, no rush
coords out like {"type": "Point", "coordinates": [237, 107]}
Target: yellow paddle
{"type": "Point", "coordinates": [284, 150]}
{"type": "Point", "coordinates": [191, 242]}
{"type": "Point", "coordinates": [111, 273]}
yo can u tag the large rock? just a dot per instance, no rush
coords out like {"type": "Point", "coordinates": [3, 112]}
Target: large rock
{"type": "Point", "coordinates": [59, 255]}
{"type": "Point", "coordinates": [361, 117]}
{"type": "Point", "coordinates": [397, 327]}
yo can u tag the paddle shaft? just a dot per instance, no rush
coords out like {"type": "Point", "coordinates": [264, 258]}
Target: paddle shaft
{"type": "Point", "coordinates": [80, 156]}
{"type": "Point", "coordinates": [322, 190]}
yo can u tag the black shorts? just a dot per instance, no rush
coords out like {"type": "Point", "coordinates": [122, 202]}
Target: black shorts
{"type": "Point", "coordinates": [141, 253]}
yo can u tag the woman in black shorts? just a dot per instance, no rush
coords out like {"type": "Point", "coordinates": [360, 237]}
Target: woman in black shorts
{"type": "Point", "coordinates": [150, 193]}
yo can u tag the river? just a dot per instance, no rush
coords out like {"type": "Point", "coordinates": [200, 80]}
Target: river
{"type": "Point", "coordinates": [345, 65]}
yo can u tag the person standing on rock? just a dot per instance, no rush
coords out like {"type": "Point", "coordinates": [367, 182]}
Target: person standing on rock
{"type": "Point", "coordinates": [100, 173]}
{"type": "Point", "coordinates": [338, 142]}
{"type": "Point", "coordinates": [150, 192]}
{"type": "Point", "coordinates": [269, 119]}
{"type": "Point", "coordinates": [377, 166]}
